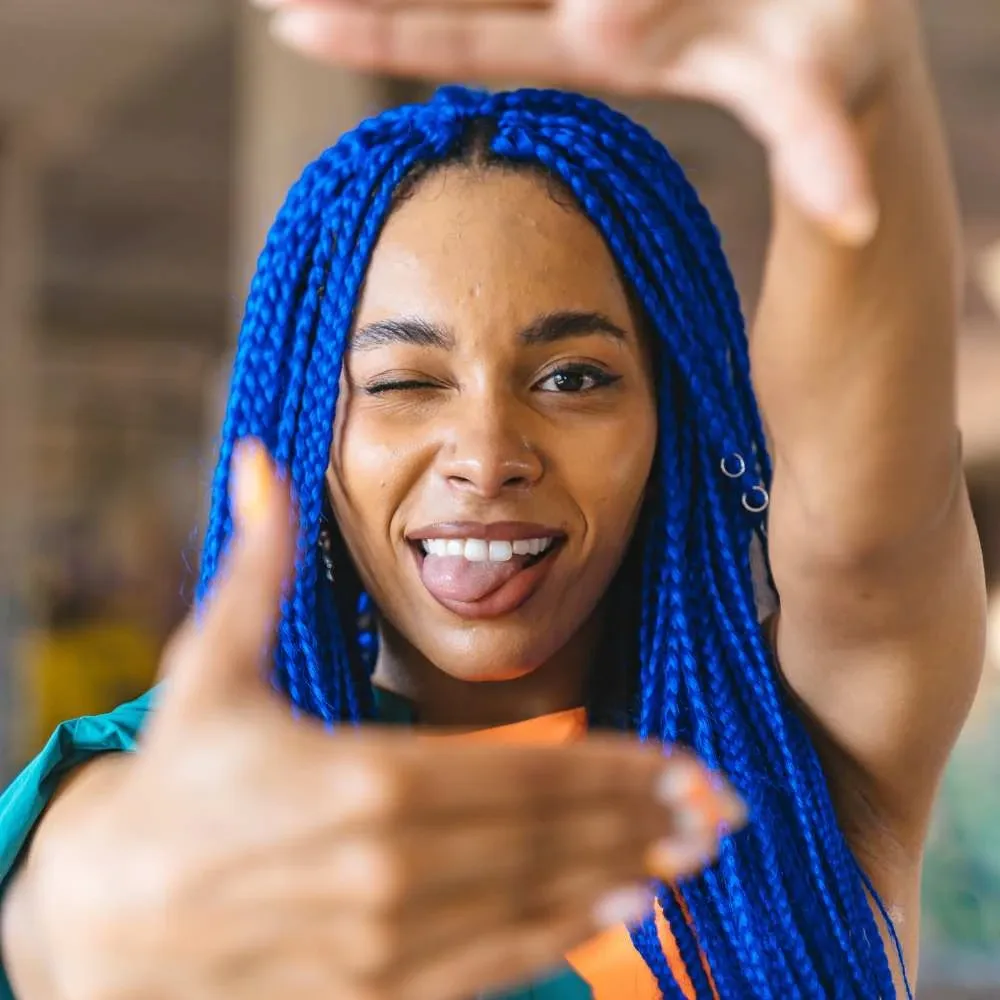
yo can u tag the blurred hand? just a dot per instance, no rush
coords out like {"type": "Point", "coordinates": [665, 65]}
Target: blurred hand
{"type": "Point", "coordinates": [247, 855]}
{"type": "Point", "coordinates": [790, 70]}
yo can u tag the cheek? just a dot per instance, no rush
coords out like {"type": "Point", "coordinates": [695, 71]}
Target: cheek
{"type": "Point", "coordinates": [368, 464]}
{"type": "Point", "coordinates": [365, 467]}
{"type": "Point", "coordinates": [363, 477]}
{"type": "Point", "coordinates": [609, 473]}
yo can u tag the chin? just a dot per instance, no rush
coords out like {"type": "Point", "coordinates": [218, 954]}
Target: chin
{"type": "Point", "coordinates": [495, 654]}
{"type": "Point", "coordinates": [483, 672]}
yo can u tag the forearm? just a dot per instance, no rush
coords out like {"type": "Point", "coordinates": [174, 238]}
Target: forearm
{"type": "Point", "coordinates": [855, 348]}
{"type": "Point", "coordinates": [23, 944]}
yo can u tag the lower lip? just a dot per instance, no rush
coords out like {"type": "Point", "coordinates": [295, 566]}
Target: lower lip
{"type": "Point", "coordinates": [505, 599]}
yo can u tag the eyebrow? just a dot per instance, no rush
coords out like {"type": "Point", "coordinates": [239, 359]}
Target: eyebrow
{"type": "Point", "coordinates": [407, 330]}
{"type": "Point", "coordinates": [547, 329]}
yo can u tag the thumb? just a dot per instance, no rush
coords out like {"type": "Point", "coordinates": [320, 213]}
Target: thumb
{"type": "Point", "coordinates": [822, 169]}
{"type": "Point", "coordinates": [814, 148]}
{"type": "Point", "coordinates": [222, 652]}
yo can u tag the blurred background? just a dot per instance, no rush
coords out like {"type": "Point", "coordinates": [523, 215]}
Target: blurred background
{"type": "Point", "coordinates": [144, 148]}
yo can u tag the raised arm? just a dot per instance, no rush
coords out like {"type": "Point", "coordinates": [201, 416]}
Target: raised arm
{"type": "Point", "coordinates": [872, 542]}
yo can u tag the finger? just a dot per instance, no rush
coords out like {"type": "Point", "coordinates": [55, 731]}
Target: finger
{"type": "Point", "coordinates": [648, 32]}
{"type": "Point", "coordinates": [393, 872]}
{"type": "Point", "coordinates": [222, 649]}
{"type": "Point", "coordinates": [486, 779]}
{"type": "Point", "coordinates": [470, 43]}
{"type": "Point", "coordinates": [387, 952]}
{"type": "Point", "coordinates": [518, 952]}
{"type": "Point", "coordinates": [823, 170]}
{"type": "Point", "coordinates": [397, 866]}
{"type": "Point", "coordinates": [814, 150]}
{"type": "Point", "coordinates": [375, 944]}
{"type": "Point", "coordinates": [380, 779]}
{"type": "Point", "coordinates": [274, 5]}
{"type": "Point", "coordinates": [400, 863]}
{"type": "Point", "coordinates": [479, 947]}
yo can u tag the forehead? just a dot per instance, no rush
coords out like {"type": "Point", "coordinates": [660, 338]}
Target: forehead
{"type": "Point", "coordinates": [467, 237]}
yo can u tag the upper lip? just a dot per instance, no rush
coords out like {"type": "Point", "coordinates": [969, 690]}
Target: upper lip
{"type": "Point", "coordinates": [498, 531]}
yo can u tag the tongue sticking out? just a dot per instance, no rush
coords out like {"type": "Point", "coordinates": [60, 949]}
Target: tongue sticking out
{"type": "Point", "coordinates": [454, 578]}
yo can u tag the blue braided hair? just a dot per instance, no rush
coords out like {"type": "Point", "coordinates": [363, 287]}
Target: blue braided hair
{"type": "Point", "coordinates": [785, 912]}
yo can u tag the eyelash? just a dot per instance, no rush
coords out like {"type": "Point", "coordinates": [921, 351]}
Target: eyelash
{"type": "Point", "coordinates": [601, 380]}
{"type": "Point", "coordinates": [378, 388]}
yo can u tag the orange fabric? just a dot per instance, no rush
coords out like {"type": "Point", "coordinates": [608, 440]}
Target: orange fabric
{"type": "Point", "coordinates": [609, 962]}
{"type": "Point", "coordinates": [616, 971]}
{"type": "Point", "coordinates": [547, 730]}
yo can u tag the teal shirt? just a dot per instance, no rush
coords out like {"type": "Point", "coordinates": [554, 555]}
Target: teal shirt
{"type": "Point", "coordinates": [80, 740]}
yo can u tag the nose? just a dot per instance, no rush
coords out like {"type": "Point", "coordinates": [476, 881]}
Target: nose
{"type": "Point", "coordinates": [489, 453]}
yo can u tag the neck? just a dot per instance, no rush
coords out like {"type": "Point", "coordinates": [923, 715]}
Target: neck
{"type": "Point", "coordinates": [442, 699]}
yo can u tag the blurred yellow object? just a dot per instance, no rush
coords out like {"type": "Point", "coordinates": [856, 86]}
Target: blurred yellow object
{"type": "Point", "coordinates": [85, 669]}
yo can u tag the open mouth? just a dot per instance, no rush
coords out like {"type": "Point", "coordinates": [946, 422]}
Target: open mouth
{"type": "Point", "coordinates": [525, 551]}
{"type": "Point", "coordinates": [477, 577]}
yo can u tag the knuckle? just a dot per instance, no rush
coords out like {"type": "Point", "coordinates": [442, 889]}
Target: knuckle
{"type": "Point", "coordinates": [378, 947]}
{"type": "Point", "coordinates": [360, 989]}
{"type": "Point", "coordinates": [379, 872]}
{"type": "Point", "coordinates": [363, 788]}
{"type": "Point", "coordinates": [600, 31]}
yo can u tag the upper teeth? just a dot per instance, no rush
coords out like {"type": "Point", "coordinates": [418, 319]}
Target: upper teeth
{"type": "Point", "coordinates": [478, 550]}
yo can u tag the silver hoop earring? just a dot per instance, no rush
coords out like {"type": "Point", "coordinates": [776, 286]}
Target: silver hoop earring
{"type": "Point", "coordinates": [739, 471]}
{"type": "Point", "coordinates": [763, 499]}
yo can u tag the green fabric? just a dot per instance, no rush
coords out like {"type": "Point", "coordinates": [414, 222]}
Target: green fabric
{"type": "Point", "coordinates": [80, 740]}
{"type": "Point", "coordinates": [565, 986]}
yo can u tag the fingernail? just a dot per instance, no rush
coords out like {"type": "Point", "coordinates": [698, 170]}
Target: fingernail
{"type": "Point", "coordinates": [679, 782]}
{"type": "Point", "coordinates": [699, 798]}
{"type": "Point", "coordinates": [857, 226]}
{"type": "Point", "coordinates": [704, 806]}
{"type": "Point", "coordinates": [251, 482]}
{"type": "Point", "coordinates": [673, 858]}
{"type": "Point", "coordinates": [628, 905]}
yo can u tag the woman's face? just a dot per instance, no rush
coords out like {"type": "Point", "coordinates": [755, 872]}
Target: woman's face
{"type": "Point", "coordinates": [496, 424]}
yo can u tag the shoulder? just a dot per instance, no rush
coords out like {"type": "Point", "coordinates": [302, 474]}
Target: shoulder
{"type": "Point", "coordinates": [73, 744]}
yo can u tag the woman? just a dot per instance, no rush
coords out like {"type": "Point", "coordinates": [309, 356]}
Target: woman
{"type": "Point", "coordinates": [494, 343]}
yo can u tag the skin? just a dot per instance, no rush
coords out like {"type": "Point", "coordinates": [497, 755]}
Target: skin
{"type": "Point", "coordinates": [881, 632]}
{"type": "Point", "coordinates": [485, 255]}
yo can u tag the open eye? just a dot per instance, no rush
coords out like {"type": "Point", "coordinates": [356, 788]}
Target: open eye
{"type": "Point", "coordinates": [576, 378]}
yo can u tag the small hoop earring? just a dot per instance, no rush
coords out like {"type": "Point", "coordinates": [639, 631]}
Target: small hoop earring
{"type": "Point", "coordinates": [756, 491]}
{"type": "Point", "coordinates": [739, 471]}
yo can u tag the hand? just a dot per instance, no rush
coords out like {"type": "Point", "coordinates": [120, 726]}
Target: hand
{"type": "Point", "coordinates": [792, 71]}
{"type": "Point", "coordinates": [244, 854]}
